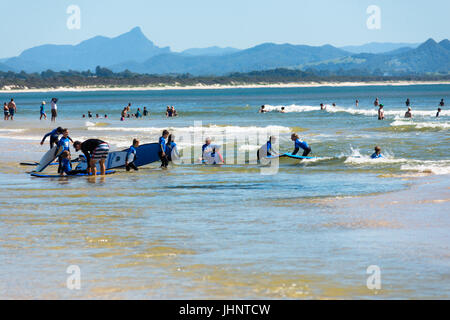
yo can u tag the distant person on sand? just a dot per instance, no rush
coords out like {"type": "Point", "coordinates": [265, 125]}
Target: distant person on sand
{"type": "Point", "coordinates": [441, 104]}
{"type": "Point", "coordinates": [357, 103]}
{"type": "Point", "coordinates": [262, 109]}
{"type": "Point", "coordinates": [438, 112]}
{"type": "Point", "coordinates": [408, 114]}
{"type": "Point", "coordinates": [42, 111]}
{"type": "Point", "coordinates": [381, 112]}
{"type": "Point", "coordinates": [6, 111]}
{"type": "Point", "coordinates": [54, 108]}
{"type": "Point", "coordinates": [377, 153]}
{"type": "Point", "coordinates": [376, 102]}
{"type": "Point", "coordinates": [407, 102]}
{"type": "Point", "coordinates": [12, 109]}
{"type": "Point", "coordinates": [299, 144]}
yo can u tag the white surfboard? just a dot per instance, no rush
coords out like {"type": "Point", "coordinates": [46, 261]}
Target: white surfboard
{"type": "Point", "coordinates": [114, 160]}
{"type": "Point", "coordinates": [48, 158]}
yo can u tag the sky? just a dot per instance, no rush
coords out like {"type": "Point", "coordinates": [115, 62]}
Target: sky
{"type": "Point", "coordinates": [183, 24]}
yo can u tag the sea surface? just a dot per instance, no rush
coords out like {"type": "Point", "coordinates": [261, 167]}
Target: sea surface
{"type": "Point", "coordinates": [309, 231]}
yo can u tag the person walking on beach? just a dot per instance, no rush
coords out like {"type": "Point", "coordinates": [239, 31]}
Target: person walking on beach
{"type": "Point", "coordinates": [408, 114]}
{"type": "Point", "coordinates": [5, 111]}
{"type": "Point", "coordinates": [441, 104]}
{"type": "Point", "coordinates": [381, 112]}
{"type": "Point", "coordinates": [376, 102]}
{"type": "Point", "coordinates": [163, 149]}
{"type": "Point", "coordinates": [42, 111]}
{"type": "Point", "coordinates": [407, 102]}
{"type": "Point", "coordinates": [95, 150]}
{"type": "Point", "coordinates": [54, 109]}
{"type": "Point", "coordinates": [12, 109]}
{"type": "Point", "coordinates": [299, 144]}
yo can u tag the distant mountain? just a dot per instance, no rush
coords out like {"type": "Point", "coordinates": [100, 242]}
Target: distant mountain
{"type": "Point", "coordinates": [132, 46]}
{"type": "Point", "coordinates": [5, 68]}
{"type": "Point", "coordinates": [210, 51]}
{"type": "Point", "coordinates": [428, 57]}
{"type": "Point", "coordinates": [263, 57]}
{"type": "Point", "coordinates": [378, 47]}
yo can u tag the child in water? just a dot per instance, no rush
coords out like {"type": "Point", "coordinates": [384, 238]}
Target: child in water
{"type": "Point", "coordinates": [131, 156]}
{"type": "Point", "coordinates": [377, 153]}
{"type": "Point", "coordinates": [66, 165]}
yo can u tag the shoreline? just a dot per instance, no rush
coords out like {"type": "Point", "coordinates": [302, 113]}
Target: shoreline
{"type": "Point", "coordinates": [221, 87]}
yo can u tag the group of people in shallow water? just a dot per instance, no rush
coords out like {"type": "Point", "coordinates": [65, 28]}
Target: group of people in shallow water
{"type": "Point", "coordinates": [10, 109]}
{"type": "Point", "coordinates": [126, 114]}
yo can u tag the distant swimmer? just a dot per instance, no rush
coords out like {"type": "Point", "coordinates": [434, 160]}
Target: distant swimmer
{"type": "Point", "coordinates": [54, 136]}
{"type": "Point", "coordinates": [42, 111]}
{"type": "Point", "coordinates": [334, 104]}
{"type": "Point", "coordinates": [54, 109]}
{"type": "Point", "coordinates": [106, 116]}
{"type": "Point", "coordinates": [438, 112]}
{"type": "Point", "coordinates": [376, 102]}
{"type": "Point", "coordinates": [377, 153]}
{"type": "Point", "coordinates": [282, 110]}
{"type": "Point", "coordinates": [169, 112]}
{"type": "Point", "coordinates": [174, 112]}
{"type": "Point", "coordinates": [131, 156]}
{"type": "Point", "coordinates": [323, 107]}
{"type": "Point", "coordinates": [95, 150]}
{"type": "Point", "coordinates": [89, 115]}
{"type": "Point", "coordinates": [5, 111]}
{"type": "Point", "coordinates": [381, 112]}
{"type": "Point", "coordinates": [163, 149]}
{"type": "Point", "coordinates": [12, 108]}
{"type": "Point", "coordinates": [64, 144]}
{"type": "Point", "coordinates": [407, 102]}
{"type": "Point", "coordinates": [441, 104]}
{"type": "Point", "coordinates": [262, 109]}
{"type": "Point", "coordinates": [357, 103]}
{"type": "Point", "coordinates": [138, 113]}
{"type": "Point", "coordinates": [66, 165]}
{"type": "Point", "coordinates": [408, 114]}
{"type": "Point", "coordinates": [145, 112]}
{"type": "Point", "coordinates": [124, 113]}
{"type": "Point", "coordinates": [299, 144]}
{"type": "Point", "coordinates": [97, 116]}
{"type": "Point", "coordinates": [172, 149]}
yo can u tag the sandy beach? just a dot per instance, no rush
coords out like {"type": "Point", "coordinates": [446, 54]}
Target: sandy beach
{"type": "Point", "coordinates": [10, 89]}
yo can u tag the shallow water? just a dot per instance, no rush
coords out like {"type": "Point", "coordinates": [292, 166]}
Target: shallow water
{"type": "Point", "coordinates": [309, 231]}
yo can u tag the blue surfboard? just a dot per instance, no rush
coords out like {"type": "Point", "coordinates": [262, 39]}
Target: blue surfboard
{"type": "Point", "coordinates": [40, 175]}
{"type": "Point", "coordinates": [146, 154]}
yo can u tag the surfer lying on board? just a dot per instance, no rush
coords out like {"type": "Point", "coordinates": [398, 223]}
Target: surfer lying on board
{"type": "Point", "coordinates": [66, 165]}
{"type": "Point", "coordinates": [54, 137]}
{"type": "Point", "coordinates": [299, 144]}
{"type": "Point", "coordinates": [131, 156]}
{"type": "Point", "coordinates": [377, 153]}
{"type": "Point", "coordinates": [94, 150]}
{"type": "Point", "coordinates": [163, 149]}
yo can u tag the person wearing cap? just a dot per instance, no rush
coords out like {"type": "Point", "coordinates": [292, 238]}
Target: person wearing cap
{"type": "Point", "coordinates": [42, 111]}
{"type": "Point", "coordinates": [408, 113]}
{"type": "Point", "coordinates": [381, 112]}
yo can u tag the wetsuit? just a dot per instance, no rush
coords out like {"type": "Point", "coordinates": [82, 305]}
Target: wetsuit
{"type": "Point", "coordinates": [301, 145]}
{"type": "Point", "coordinates": [170, 148]}
{"type": "Point", "coordinates": [54, 135]}
{"type": "Point", "coordinates": [145, 113]}
{"type": "Point", "coordinates": [163, 148]}
{"type": "Point", "coordinates": [376, 156]}
{"type": "Point", "coordinates": [63, 143]}
{"type": "Point", "coordinates": [131, 154]}
{"type": "Point", "coordinates": [66, 167]}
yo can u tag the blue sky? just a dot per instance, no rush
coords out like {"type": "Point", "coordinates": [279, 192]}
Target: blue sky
{"type": "Point", "coordinates": [183, 24]}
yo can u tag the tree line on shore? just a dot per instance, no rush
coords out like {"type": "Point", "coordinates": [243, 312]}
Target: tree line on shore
{"type": "Point", "coordinates": [103, 77]}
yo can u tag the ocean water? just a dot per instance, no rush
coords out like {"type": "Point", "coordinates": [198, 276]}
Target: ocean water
{"type": "Point", "coordinates": [309, 231]}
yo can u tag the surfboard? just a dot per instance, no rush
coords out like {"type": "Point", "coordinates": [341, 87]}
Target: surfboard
{"type": "Point", "coordinates": [48, 158]}
{"type": "Point", "coordinates": [290, 155]}
{"type": "Point", "coordinates": [146, 154]}
{"type": "Point", "coordinates": [40, 175]}
{"type": "Point", "coordinates": [114, 160]}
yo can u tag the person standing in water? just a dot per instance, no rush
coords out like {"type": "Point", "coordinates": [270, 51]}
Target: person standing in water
{"type": "Point", "coordinates": [5, 111]}
{"type": "Point", "coordinates": [42, 111]}
{"type": "Point", "coordinates": [377, 153]}
{"type": "Point", "coordinates": [163, 149]}
{"type": "Point", "coordinates": [438, 112]}
{"type": "Point", "coordinates": [381, 112]}
{"type": "Point", "coordinates": [95, 150]}
{"type": "Point", "coordinates": [172, 148]}
{"type": "Point", "coordinates": [145, 112]}
{"type": "Point", "coordinates": [12, 108]}
{"type": "Point", "coordinates": [131, 156]}
{"type": "Point", "coordinates": [54, 109]}
{"type": "Point", "coordinates": [206, 148]}
{"type": "Point", "coordinates": [407, 102]}
{"type": "Point", "coordinates": [441, 104]}
{"type": "Point", "coordinates": [357, 103]}
{"type": "Point", "coordinates": [299, 144]}
{"type": "Point", "coordinates": [64, 144]}
{"type": "Point", "coordinates": [376, 102]}
{"type": "Point", "coordinates": [408, 114]}
{"type": "Point", "coordinates": [262, 109]}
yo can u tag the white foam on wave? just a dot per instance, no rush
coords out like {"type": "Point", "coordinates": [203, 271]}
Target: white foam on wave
{"type": "Point", "coordinates": [292, 108]}
{"type": "Point", "coordinates": [431, 167]}
{"type": "Point", "coordinates": [421, 125]}
{"type": "Point", "coordinates": [13, 130]}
